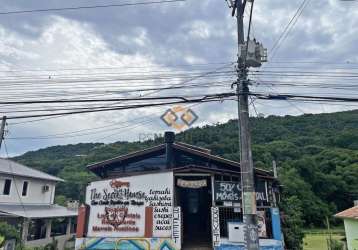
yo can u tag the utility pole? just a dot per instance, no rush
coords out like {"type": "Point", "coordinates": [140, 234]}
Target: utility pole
{"type": "Point", "coordinates": [2, 129]}
{"type": "Point", "coordinates": [253, 56]}
{"type": "Point", "coordinates": [246, 163]}
{"type": "Point", "coordinates": [274, 167]}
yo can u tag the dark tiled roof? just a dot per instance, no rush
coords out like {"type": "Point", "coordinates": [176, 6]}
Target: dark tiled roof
{"type": "Point", "coordinates": [120, 158]}
{"type": "Point", "coordinates": [205, 153]}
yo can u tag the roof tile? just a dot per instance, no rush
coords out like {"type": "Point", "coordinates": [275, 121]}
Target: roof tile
{"type": "Point", "coordinates": [351, 213]}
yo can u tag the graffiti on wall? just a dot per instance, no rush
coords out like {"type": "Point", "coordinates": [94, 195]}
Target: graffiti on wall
{"type": "Point", "coordinates": [126, 244]}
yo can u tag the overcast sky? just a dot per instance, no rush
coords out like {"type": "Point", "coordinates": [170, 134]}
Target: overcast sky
{"type": "Point", "coordinates": [166, 37]}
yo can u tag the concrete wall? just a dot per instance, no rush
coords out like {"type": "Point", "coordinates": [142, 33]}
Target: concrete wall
{"type": "Point", "coordinates": [62, 242]}
{"type": "Point", "coordinates": [351, 228]}
{"type": "Point", "coordinates": [35, 194]}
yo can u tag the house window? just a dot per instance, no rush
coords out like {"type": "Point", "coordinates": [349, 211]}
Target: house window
{"type": "Point", "coordinates": [7, 187]}
{"type": "Point", "coordinates": [25, 186]}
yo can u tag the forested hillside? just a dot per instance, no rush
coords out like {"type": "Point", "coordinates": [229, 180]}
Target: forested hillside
{"type": "Point", "coordinates": [317, 156]}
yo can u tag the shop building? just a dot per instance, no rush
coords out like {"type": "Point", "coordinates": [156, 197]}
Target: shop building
{"type": "Point", "coordinates": [27, 202]}
{"type": "Point", "coordinates": [174, 196]}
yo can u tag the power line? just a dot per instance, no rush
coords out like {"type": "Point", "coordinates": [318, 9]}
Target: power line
{"type": "Point", "coordinates": [57, 115]}
{"type": "Point", "coordinates": [303, 97]}
{"type": "Point", "coordinates": [248, 34]}
{"type": "Point", "coordinates": [73, 133]}
{"type": "Point", "coordinates": [78, 133]}
{"type": "Point", "coordinates": [288, 28]}
{"type": "Point", "coordinates": [311, 85]}
{"type": "Point", "coordinates": [352, 105]}
{"type": "Point", "coordinates": [291, 104]}
{"type": "Point", "coordinates": [313, 62]}
{"type": "Point", "coordinates": [140, 124]}
{"type": "Point", "coordinates": [197, 77]}
{"type": "Point", "coordinates": [36, 120]}
{"type": "Point", "coordinates": [183, 98]}
{"type": "Point", "coordinates": [253, 105]}
{"type": "Point", "coordinates": [306, 72]}
{"type": "Point", "coordinates": [206, 98]}
{"type": "Point", "coordinates": [139, 77]}
{"type": "Point", "coordinates": [32, 109]}
{"type": "Point", "coordinates": [87, 7]}
{"type": "Point", "coordinates": [48, 92]}
{"type": "Point", "coordinates": [113, 68]}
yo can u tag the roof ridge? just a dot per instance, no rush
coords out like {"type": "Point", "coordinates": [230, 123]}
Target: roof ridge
{"type": "Point", "coordinates": [177, 145]}
{"type": "Point", "coordinates": [108, 161]}
{"type": "Point", "coordinates": [50, 177]}
{"type": "Point", "coordinates": [351, 213]}
{"type": "Point", "coordinates": [206, 150]}
{"type": "Point", "coordinates": [222, 158]}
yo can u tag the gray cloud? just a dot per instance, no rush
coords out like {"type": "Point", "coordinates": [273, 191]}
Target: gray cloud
{"type": "Point", "coordinates": [163, 36]}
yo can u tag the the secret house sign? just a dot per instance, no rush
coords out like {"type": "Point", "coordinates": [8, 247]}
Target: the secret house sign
{"type": "Point", "coordinates": [117, 206]}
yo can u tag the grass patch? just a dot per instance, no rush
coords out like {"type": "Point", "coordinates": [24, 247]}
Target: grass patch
{"type": "Point", "coordinates": [336, 230]}
{"type": "Point", "coordinates": [318, 241]}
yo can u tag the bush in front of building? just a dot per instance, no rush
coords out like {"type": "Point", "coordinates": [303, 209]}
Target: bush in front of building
{"type": "Point", "coordinates": [335, 245]}
{"type": "Point", "coordinates": [9, 232]}
{"type": "Point", "coordinates": [50, 246]}
{"type": "Point", "coordinates": [292, 223]}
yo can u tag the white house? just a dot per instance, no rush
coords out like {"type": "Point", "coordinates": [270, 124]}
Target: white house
{"type": "Point", "coordinates": [27, 202]}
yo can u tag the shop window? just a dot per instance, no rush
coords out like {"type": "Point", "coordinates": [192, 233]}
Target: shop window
{"type": "Point", "coordinates": [7, 187]}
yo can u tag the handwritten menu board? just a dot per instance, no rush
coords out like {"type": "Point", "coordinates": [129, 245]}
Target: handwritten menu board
{"type": "Point", "coordinates": [231, 191]}
{"type": "Point", "coordinates": [227, 191]}
{"type": "Point", "coordinates": [117, 206]}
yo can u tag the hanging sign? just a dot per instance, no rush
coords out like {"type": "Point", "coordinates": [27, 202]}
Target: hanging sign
{"type": "Point", "coordinates": [191, 184]}
{"type": "Point", "coordinates": [117, 207]}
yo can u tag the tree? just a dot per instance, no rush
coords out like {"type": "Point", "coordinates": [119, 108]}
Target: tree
{"type": "Point", "coordinates": [292, 223]}
{"type": "Point", "coordinates": [61, 200]}
{"type": "Point", "coordinates": [317, 156]}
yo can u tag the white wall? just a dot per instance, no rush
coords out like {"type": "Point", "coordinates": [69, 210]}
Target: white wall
{"type": "Point", "coordinates": [351, 228]}
{"type": "Point", "coordinates": [35, 194]}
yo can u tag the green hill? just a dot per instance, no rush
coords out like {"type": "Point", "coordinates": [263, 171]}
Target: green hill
{"type": "Point", "coordinates": [317, 156]}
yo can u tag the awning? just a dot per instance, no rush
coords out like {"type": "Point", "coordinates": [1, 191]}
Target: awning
{"type": "Point", "coordinates": [36, 211]}
{"type": "Point", "coordinates": [2, 214]}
